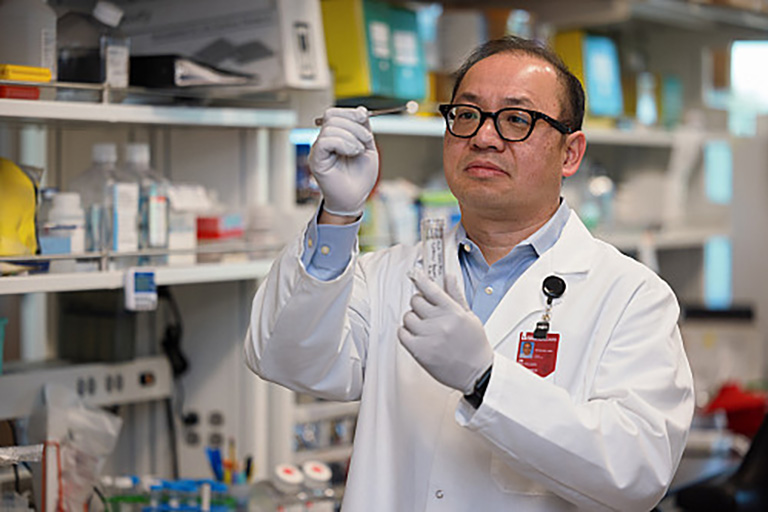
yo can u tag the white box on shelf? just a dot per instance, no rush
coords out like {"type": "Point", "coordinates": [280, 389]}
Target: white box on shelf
{"type": "Point", "coordinates": [279, 42]}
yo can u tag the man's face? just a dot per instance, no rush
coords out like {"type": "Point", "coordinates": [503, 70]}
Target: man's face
{"type": "Point", "coordinates": [527, 349]}
{"type": "Point", "coordinates": [509, 179]}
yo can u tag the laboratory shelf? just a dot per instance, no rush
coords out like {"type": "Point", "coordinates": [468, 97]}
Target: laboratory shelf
{"type": "Point", "coordinates": [665, 239]}
{"type": "Point", "coordinates": [692, 15]}
{"type": "Point", "coordinates": [333, 454]}
{"type": "Point", "coordinates": [113, 279]}
{"type": "Point", "coordinates": [435, 127]}
{"type": "Point", "coordinates": [408, 125]}
{"type": "Point", "coordinates": [318, 411]}
{"type": "Point", "coordinates": [41, 110]}
{"type": "Point", "coordinates": [419, 126]}
{"type": "Point", "coordinates": [650, 137]}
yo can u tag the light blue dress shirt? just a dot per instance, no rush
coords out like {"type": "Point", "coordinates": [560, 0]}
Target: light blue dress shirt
{"type": "Point", "coordinates": [328, 249]}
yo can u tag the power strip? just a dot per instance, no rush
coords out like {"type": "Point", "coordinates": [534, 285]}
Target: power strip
{"type": "Point", "coordinates": [139, 380]}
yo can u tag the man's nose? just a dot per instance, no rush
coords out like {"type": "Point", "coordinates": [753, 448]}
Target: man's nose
{"type": "Point", "coordinates": [487, 136]}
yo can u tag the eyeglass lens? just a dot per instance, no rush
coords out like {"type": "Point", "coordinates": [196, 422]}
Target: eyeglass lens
{"type": "Point", "coordinates": [512, 124]}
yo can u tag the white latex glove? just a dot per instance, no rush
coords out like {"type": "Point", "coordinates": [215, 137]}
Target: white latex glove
{"type": "Point", "coordinates": [344, 160]}
{"type": "Point", "coordinates": [444, 335]}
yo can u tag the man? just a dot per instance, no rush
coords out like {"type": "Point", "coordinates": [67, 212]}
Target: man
{"type": "Point", "coordinates": [449, 419]}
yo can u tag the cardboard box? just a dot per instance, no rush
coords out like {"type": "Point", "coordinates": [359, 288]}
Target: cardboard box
{"type": "Point", "coordinates": [279, 42]}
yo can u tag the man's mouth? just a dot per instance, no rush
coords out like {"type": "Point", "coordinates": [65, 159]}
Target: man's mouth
{"type": "Point", "coordinates": [484, 168]}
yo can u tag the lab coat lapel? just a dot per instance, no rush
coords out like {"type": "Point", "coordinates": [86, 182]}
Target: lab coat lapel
{"type": "Point", "coordinates": [571, 254]}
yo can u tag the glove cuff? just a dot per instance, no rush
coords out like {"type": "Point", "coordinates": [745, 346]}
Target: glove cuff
{"type": "Point", "coordinates": [341, 213]}
{"type": "Point", "coordinates": [475, 397]}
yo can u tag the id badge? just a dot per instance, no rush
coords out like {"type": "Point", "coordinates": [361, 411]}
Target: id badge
{"type": "Point", "coordinates": [538, 354]}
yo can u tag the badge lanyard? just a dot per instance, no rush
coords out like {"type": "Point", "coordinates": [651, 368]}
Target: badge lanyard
{"type": "Point", "coordinates": [538, 350]}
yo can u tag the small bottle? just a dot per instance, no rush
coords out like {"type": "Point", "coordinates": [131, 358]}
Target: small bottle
{"type": "Point", "coordinates": [153, 199]}
{"type": "Point", "coordinates": [66, 213]}
{"type": "Point", "coordinates": [66, 219]}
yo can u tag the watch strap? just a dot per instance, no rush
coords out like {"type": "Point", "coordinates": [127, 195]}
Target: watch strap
{"type": "Point", "coordinates": [475, 398]}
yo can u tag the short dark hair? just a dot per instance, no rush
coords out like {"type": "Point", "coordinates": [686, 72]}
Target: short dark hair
{"type": "Point", "coordinates": [572, 104]}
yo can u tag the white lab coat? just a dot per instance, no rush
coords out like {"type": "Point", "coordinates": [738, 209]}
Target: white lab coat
{"type": "Point", "coordinates": [605, 431]}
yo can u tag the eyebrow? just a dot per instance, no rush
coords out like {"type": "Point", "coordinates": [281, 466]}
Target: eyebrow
{"type": "Point", "coordinates": [511, 101]}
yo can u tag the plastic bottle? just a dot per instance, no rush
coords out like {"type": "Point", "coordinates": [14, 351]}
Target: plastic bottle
{"type": "Point", "coordinates": [111, 202]}
{"type": "Point", "coordinates": [153, 198]}
{"type": "Point", "coordinates": [66, 216]}
{"type": "Point", "coordinates": [91, 48]}
{"type": "Point", "coordinates": [28, 34]}
{"type": "Point", "coordinates": [647, 110]}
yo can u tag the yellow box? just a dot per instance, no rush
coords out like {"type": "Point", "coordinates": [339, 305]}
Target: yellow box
{"type": "Point", "coordinates": [24, 73]}
{"type": "Point", "coordinates": [358, 42]}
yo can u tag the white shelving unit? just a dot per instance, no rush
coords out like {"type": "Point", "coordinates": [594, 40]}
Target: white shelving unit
{"type": "Point", "coordinates": [47, 111]}
{"type": "Point", "coordinates": [245, 154]}
{"type": "Point", "coordinates": [113, 279]}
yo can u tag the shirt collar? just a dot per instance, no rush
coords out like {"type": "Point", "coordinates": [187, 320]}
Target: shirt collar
{"type": "Point", "coordinates": [541, 241]}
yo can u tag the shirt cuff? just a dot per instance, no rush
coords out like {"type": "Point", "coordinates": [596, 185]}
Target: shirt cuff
{"type": "Point", "coordinates": [328, 248]}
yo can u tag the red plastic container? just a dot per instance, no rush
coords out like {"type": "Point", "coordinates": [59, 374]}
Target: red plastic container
{"type": "Point", "coordinates": [19, 92]}
{"type": "Point", "coordinates": [745, 409]}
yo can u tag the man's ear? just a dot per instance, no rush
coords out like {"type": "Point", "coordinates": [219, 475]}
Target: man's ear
{"type": "Point", "coordinates": [575, 147]}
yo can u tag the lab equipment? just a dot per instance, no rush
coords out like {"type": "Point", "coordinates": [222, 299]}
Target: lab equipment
{"type": "Point", "coordinates": [432, 232]}
{"type": "Point", "coordinates": [410, 107]}
{"type": "Point", "coordinates": [140, 290]}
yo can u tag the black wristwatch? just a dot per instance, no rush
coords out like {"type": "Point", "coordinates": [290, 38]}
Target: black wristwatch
{"type": "Point", "coordinates": [475, 398]}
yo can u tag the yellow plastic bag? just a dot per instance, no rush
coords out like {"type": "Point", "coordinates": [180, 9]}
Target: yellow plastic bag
{"type": "Point", "coordinates": [18, 205]}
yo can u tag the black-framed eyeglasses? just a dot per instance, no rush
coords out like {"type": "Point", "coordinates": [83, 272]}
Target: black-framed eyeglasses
{"type": "Point", "coordinates": [512, 124]}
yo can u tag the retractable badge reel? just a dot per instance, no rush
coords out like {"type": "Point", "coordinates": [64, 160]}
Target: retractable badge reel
{"type": "Point", "coordinates": [553, 288]}
{"type": "Point", "coordinates": [538, 349]}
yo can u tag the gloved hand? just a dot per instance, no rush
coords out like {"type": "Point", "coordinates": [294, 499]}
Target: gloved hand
{"type": "Point", "coordinates": [344, 160]}
{"type": "Point", "coordinates": [443, 334]}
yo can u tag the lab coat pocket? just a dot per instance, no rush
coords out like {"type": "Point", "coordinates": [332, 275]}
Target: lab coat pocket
{"type": "Point", "coordinates": [509, 480]}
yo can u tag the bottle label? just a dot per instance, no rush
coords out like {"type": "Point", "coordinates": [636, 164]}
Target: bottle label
{"type": "Point", "coordinates": [125, 200]}
{"type": "Point", "coordinates": [116, 61]}
{"type": "Point", "coordinates": [48, 48]}
{"type": "Point", "coordinates": [158, 221]}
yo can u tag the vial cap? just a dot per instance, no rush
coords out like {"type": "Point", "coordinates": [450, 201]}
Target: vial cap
{"type": "Point", "coordinates": [108, 13]}
{"type": "Point", "coordinates": [316, 474]}
{"type": "Point", "coordinates": [137, 153]}
{"type": "Point", "coordinates": [105, 153]}
{"type": "Point", "coordinates": [288, 478]}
